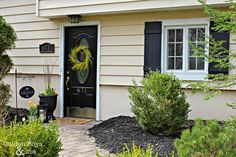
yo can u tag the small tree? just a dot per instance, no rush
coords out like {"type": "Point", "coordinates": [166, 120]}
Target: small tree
{"type": "Point", "coordinates": [7, 40]}
{"type": "Point", "coordinates": [223, 58]}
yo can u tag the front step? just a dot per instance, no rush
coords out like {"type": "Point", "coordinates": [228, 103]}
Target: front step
{"type": "Point", "coordinates": [86, 112]}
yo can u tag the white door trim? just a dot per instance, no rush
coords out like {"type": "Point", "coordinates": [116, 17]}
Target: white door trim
{"type": "Point", "coordinates": [62, 64]}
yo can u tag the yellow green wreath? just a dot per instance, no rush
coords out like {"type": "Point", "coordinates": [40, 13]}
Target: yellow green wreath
{"type": "Point", "coordinates": [73, 56]}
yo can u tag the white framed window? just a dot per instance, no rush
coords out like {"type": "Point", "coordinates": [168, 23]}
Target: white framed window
{"type": "Point", "coordinates": [177, 52]}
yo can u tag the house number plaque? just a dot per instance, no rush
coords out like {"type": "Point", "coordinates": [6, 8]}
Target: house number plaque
{"type": "Point", "coordinates": [47, 48]}
{"type": "Point", "coordinates": [81, 90]}
{"type": "Point", "coordinates": [26, 92]}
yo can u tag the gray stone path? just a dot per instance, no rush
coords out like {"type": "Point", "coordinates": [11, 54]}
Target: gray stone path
{"type": "Point", "coordinates": [76, 142]}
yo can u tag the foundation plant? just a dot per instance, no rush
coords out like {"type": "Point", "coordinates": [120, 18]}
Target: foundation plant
{"type": "Point", "coordinates": [206, 138]}
{"type": "Point", "coordinates": [134, 152]}
{"type": "Point", "coordinates": [209, 139]}
{"type": "Point", "coordinates": [159, 103]}
{"type": "Point", "coordinates": [7, 40]}
{"type": "Point", "coordinates": [30, 138]}
{"type": "Point", "coordinates": [212, 139]}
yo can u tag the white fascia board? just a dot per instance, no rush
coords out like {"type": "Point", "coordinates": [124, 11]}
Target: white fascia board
{"type": "Point", "coordinates": [124, 7]}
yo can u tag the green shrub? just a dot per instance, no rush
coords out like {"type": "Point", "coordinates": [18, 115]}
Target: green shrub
{"type": "Point", "coordinates": [6, 64]}
{"type": "Point", "coordinates": [7, 42]}
{"type": "Point", "coordinates": [208, 140]}
{"type": "Point", "coordinates": [5, 96]}
{"type": "Point", "coordinates": [135, 152]}
{"type": "Point", "coordinates": [7, 36]}
{"type": "Point", "coordinates": [159, 104]}
{"type": "Point", "coordinates": [31, 139]}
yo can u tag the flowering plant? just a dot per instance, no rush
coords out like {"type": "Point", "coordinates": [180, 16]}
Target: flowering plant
{"type": "Point", "coordinates": [33, 108]}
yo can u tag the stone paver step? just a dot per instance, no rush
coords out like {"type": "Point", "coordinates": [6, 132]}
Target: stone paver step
{"type": "Point", "coordinates": [76, 142]}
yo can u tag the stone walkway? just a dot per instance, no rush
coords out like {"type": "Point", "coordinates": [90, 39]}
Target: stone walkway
{"type": "Point", "coordinates": [76, 142]}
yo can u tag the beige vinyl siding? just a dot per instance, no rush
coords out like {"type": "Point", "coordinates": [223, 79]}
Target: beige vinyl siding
{"type": "Point", "coordinates": [17, 10]}
{"type": "Point", "coordinates": [53, 8]}
{"type": "Point", "coordinates": [34, 43]}
{"type": "Point", "coordinates": [70, 3]}
{"type": "Point", "coordinates": [31, 52]}
{"type": "Point", "coordinates": [28, 70]}
{"type": "Point", "coordinates": [15, 3]}
{"type": "Point", "coordinates": [25, 18]}
{"type": "Point", "coordinates": [122, 44]}
{"type": "Point", "coordinates": [122, 41]}
{"type": "Point", "coordinates": [35, 61]}
{"type": "Point", "coordinates": [45, 34]}
{"type": "Point", "coordinates": [122, 60]}
{"type": "Point", "coordinates": [121, 70]}
{"type": "Point", "coordinates": [31, 32]}
{"type": "Point", "coordinates": [130, 30]}
{"type": "Point", "coordinates": [118, 80]}
{"type": "Point", "coordinates": [36, 26]}
{"type": "Point", "coordinates": [122, 50]}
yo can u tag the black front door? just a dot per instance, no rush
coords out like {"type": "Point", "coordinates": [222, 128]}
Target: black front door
{"type": "Point", "coordinates": [80, 85]}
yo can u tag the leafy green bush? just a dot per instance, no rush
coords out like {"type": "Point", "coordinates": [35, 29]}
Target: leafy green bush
{"type": "Point", "coordinates": [30, 139]}
{"type": "Point", "coordinates": [7, 42]}
{"type": "Point", "coordinates": [159, 104]}
{"type": "Point", "coordinates": [135, 152]}
{"type": "Point", "coordinates": [6, 64]}
{"type": "Point", "coordinates": [4, 99]}
{"type": "Point", "coordinates": [7, 36]}
{"type": "Point", "coordinates": [208, 140]}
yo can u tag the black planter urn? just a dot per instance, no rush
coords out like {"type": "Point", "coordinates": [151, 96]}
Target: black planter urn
{"type": "Point", "coordinates": [51, 102]}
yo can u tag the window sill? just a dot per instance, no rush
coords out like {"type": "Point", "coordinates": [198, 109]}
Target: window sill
{"type": "Point", "coordinates": [186, 85]}
{"type": "Point", "coordinates": [190, 76]}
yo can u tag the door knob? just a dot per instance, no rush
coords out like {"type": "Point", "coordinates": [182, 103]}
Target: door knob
{"type": "Point", "coordinates": [67, 81]}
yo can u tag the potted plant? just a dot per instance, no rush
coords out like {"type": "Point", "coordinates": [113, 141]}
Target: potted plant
{"type": "Point", "coordinates": [49, 96]}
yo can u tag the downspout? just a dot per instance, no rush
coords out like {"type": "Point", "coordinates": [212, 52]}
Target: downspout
{"type": "Point", "coordinates": [37, 8]}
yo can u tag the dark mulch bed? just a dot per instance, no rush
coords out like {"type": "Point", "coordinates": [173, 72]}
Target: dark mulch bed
{"type": "Point", "coordinates": [16, 114]}
{"type": "Point", "coordinates": [112, 134]}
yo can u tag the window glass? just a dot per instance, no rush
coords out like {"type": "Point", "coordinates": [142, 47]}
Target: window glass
{"type": "Point", "coordinates": [83, 42]}
{"type": "Point", "coordinates": [82, 55]}
{"type": "Point", "coordinates": [196, 37]}
{"type": "Point", "coordinates": [175, 49]}
{"type": "Point", "coordinates": [180, 39]}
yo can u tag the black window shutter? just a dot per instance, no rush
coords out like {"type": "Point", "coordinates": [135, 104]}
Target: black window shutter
{"type": "Point", "coordinates": [218, 36]}
{"type": "Point", "coordinates": [152, 46]}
